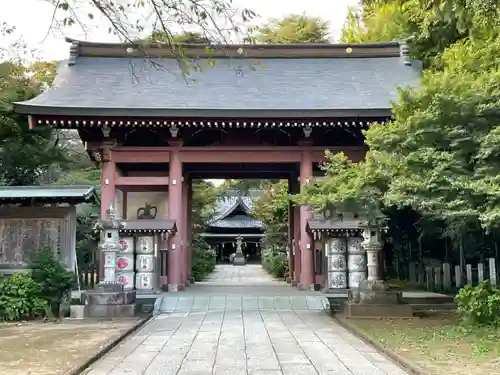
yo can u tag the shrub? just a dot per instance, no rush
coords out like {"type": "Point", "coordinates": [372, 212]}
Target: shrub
{"type": "Point", "coordinates": [20, 298]}
{"type": "Point", "coordinates": [54, 281]}
{"type": "Point", "coordinates": [203, 260]}
{"type": "Point", "coordinates": [275, 261]}
{"type": "Point", "coordinates": [479, 304]}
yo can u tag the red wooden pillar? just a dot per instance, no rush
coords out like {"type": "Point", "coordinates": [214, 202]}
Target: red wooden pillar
{"type": "Point", "coordinates": [296, 244]}
{"type": "Point", "coordinates": [184, 232]}
{"type": "Point", "coordinates": [175, 198]}
{"type": "Point", "coordinates": [290, 242]}
{"type": "Point", "coordinates": [292, 232]}
{"type": "Point", "coordinates": [189, 228]}
{"type": "Point", "coordinates": [306, 241]}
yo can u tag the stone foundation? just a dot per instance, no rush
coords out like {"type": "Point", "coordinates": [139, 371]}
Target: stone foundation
{"type": "Point", "coordinates": [176, 287]}
{"type": "Point", "coordinates": [109, 301]}
{"type": "Point", "coordinates": [377, 311]}
{"type": "Point", "coordinates": [239, 260]}
{"type": "Point", "coordinates": [305, 287]}
{"type": "Point", "coordinates": [374, 299]}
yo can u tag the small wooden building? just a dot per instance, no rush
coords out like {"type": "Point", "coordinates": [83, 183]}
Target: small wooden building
{"type": "Point", "coordinates": [34, 217]}
{"type": "Point", "coordinates": [234, 218]}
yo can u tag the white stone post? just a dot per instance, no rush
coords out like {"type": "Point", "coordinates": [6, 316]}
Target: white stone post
{"type": "Point", "coordinates": [429, 278]}
{"type": "Point", "coordinates": [437, 278]}
{"type": "Point", "coordinates": [458, 277]}
{"type": "Point", "coordinates": [480, 272]}
{"type": "Point", "coordinates": [493, 271]}
{"type": "Point", "coordinates": [446, 276]}
{"type": "Point", "coordinates": [468, 273]}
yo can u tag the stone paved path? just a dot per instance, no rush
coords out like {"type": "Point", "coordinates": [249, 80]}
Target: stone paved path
{"type": "Point", "coordinates": [244, 340]}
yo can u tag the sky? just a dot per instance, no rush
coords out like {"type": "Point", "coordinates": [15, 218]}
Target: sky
{"type": "Point", "coordinates": [32, 19]}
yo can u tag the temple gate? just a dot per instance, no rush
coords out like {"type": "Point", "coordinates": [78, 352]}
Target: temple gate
{"type": "Point", "coordinates": [263, 111]}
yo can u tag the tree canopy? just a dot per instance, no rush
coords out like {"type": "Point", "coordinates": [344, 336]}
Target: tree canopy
{"type": "Point", "coordinates": [438, 156]}
{"type": "Point", "coordinates": [295, 28]}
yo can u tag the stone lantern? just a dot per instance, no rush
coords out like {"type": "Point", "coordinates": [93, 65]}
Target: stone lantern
{"type": "Point", "coordinates": [109, 299]}
{"type": "Point", "coordinates": [110, 244]}
{"type": "Point", "coordinates": [373, 298]}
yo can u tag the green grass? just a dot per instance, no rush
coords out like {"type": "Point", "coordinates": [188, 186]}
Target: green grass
{"type": "Point", "coordinates": [438, 344]}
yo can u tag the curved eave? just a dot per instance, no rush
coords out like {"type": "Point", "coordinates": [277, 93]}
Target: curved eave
{"type": "Point", "coordinates": [229, 210]}
{"type": "Point", "coordinates": [34, 109]}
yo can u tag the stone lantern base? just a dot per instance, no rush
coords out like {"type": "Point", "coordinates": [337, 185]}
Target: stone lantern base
{"type": "Point", "coordinates": [239, 259]}
{"type": "Point", "coordinates": [374, 299]}
{"type": "Point", "coordinates": [109, 301]}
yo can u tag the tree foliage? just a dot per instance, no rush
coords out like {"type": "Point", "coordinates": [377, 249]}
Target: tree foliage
{"type": "Point", "coordinates": [432, 25]}
{"type": "Point", "coordinates": [26, 155]}
{"type": "Point", "coordinates": [272, 209]}
{"type": "Point", "coordinates": [438, 156]}
{"type": "Point", "coordinates": [295, 28]}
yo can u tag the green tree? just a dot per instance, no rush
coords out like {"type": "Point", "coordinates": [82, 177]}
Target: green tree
{"type": "Point", "coordinates": [433, 25]}
{"type": "Point", "coordinates": [272, 209]}
{"type": "Point", "coordinates": [26, 155]}
{"type": "Point", "coordinates": [188, 37]}
{"type": "Point", "coordinates": [295, 28]}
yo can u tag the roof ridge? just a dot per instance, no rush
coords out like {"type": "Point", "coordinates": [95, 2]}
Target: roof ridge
{"type": "Point", "coordinates": [300, 50]}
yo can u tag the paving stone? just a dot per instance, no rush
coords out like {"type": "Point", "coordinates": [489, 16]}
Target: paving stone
{"type": "Point", "coordinates": [185, 303]}
{"type": "Point", "coordinates": [217, 303]}
{"type": "Point", "coordinates": [201, 303]}
{"type": "Point", "coordinates": [279, 332]}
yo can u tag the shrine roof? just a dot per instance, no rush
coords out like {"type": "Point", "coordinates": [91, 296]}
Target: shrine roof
{"type": "Point", "coordinates": [334, 226]}
{"type": "Point", "coordinates": [246, 81]}
{"type": "Point", "coordinates": [149, 226]}
{"type": "Point", "coordinates": [227, 215]}
{"type": "Point", "coordinates": [48, 194]}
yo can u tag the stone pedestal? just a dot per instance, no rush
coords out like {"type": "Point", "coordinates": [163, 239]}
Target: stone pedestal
{"type": "Point", "coordinates": [239, 259]}
{"type": "Point", "coordinates": [373, 298]}
{"type": "Point", "coordinates": [109, 301]}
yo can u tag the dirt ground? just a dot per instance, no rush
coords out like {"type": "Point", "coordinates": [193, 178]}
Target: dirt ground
{"type": "Point", "coordinates": [54, 348]}
{"type": "Point", "coordinates": [438, 344]}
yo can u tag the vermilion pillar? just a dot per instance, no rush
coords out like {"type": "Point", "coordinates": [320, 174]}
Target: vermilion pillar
{"type": "Point", "coordinates": [296, 244]}
{"type": "Point", "coordinates": [293, 233]}
{"type": "Point", "coordinates": [175, 263]}
{"type": "Point", "coordinates": [189, 228]}
{"type": "Point", "coordinates": [183, 231]}
{"type": "Point", "coordinates": [290, 243]}
{"type": "Point", "coordinates": [306, 241]}
{"type": "Point", "coordinates": [108, 171]}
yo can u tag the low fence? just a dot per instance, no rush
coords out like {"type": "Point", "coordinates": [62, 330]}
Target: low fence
{"type": "Point", "coordinates": [446, 277]}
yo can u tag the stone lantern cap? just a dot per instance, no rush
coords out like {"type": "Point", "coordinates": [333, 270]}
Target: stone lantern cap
{"type": "Point", "coordinates": [111, 222]}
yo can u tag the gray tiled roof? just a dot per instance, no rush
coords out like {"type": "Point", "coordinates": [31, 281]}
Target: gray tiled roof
{"type": "Point", "coordinates": [107, 85]}
{"type": "Point", "coordinates": [60, 194]}
{"type": "Point", "coordinates": [238, 221]}
{"type": "Point", "coordinates": [226, 206]}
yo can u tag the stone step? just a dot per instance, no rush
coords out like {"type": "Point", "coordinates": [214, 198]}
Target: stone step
{"type": "Point", "coordinates": [433, 306]}
{"type": "Point", "coordinates": [173, 303]}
